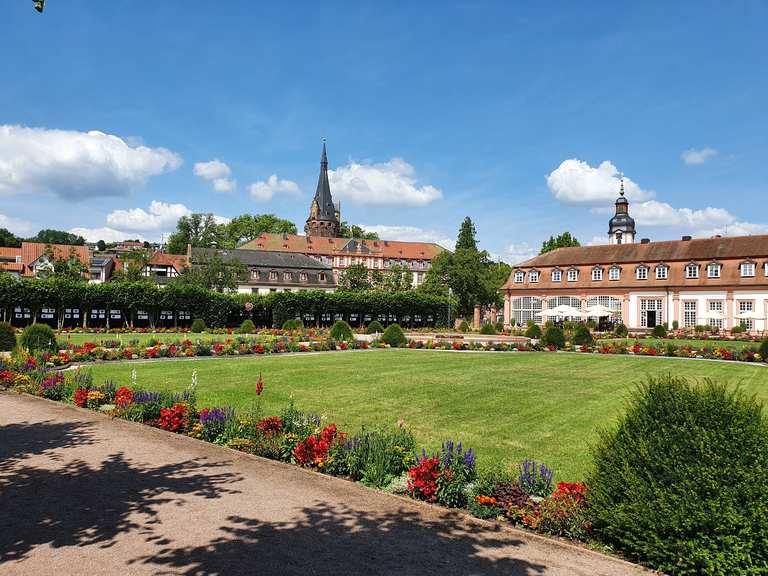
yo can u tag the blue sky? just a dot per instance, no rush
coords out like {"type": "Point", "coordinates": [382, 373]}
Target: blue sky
{"type": "Point", "coordinates": [520, 115]}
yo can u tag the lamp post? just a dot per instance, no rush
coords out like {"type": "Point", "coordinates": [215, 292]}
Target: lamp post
{"type": "Point", "coordinates": [450, 292]}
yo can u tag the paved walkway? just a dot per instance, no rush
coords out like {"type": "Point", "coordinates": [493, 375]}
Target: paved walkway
{"type": "Point", "coordinates": [83, 494]}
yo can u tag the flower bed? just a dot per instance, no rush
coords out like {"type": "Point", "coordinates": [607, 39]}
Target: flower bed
{"type": "Point", "coordinates": [385, 458]}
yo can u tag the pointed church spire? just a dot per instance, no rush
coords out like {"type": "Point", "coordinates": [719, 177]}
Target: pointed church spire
{"type": "Point", "coordinates": [323, 219]}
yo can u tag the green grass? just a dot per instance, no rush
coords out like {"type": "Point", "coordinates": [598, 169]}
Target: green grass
{"type": "Point", "coordinates": [506, 405]}
{"type": "Point", "coordinates": [693, 343]}
{"type": "Point", "coordinates": [143, 339]}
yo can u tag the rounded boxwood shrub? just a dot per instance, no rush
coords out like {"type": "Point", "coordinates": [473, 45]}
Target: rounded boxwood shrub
{"type": "Point", "coordinates": [293, 324]}
{"type": "Point", "coordinates": [553, 336]}
{"type": "Point", "coordinates": [39, 338]}
{"type": "Point", "coordinates": [247, 327]}
{"type": "Point", "coordinates": [394, 336]}
{"type": "Point", "coordinates": [464, 326]}
{"type": "Point", "coordinates": [533, 331]}
{"type": "Point", "coordinates": [499, 327]}
{"type": "Point", "coordinates": [738, 329]}
{"type": "Point", "coordinates": [488, 329]}
{"type": "Point", "coordinates": [7, 337]}
{"type": "Point", "coordinates": [681, 484]}
{"type": "Point", "coordinates": [763, 350]}
{"type": "Point", "coordinates": [660, 331]}
{"type": "Point", "coordinates": [374, 327]}
{"type": "Point", "coordinates": [341, 332]}
{"type": "Point", "coordinates": [198, 325]}
{"type": "Point", "coordinates": [621, 330]}
{"type": "Point", "coordinates": [582, 336]}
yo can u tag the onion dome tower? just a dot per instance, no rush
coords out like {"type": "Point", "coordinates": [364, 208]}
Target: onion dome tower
{"type": "Point", "coordinates": [621, 228]}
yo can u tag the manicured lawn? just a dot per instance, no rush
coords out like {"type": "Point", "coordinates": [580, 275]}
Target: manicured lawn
{"type": "Point", "coordinates": [505, 405]}
{"type": "Point", "coordinates": [696, 344]}
{"type": "Point", "coordinates": [142, 338]}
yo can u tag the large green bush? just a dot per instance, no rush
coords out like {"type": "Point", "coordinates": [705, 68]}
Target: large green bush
{"type": "Point", "coordinates": [553, 336]}
{"type": "Point", "coordinates": [488, 329]}
{"type": "Point", "coordinates": [681, 484]}
{"type": "Point", "coordinates": [394, 336]}
{"type": "Point", "coordinates": [533, 331]}
{"type": "Point", "coordinates": [198, 326]}
{"type": "Point", "coordinates": [247, 327]}
{"type": "Point", "coordinates": [464, 326]}
{"type": "Point", "coordinates": [763, 350]}
{"type": "Point", "coordinates": [374, 327]}
{"type": "Point", "coordinates": [341, 331]}
{"type": "Point", "coordinates": [621, 330]}
{"type": "Point", "coordinates": [7, 337]}
{"type": "Point", "coordinates": [293, 324]}
{"type": "Point", "coordinates": [582, 336]}
{"type": "Point", "coordinates": [39, 338]}
{"type": "Point", "coordinates": [660, 331]}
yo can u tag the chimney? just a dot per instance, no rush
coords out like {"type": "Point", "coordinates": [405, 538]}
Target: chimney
{"type": "Point", "coordinates": [686, 238]}
{"type": "Point", "coordinates": [645, 241]}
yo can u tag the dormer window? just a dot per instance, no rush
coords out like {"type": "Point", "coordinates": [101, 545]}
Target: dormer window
{"type": "Point", "coordinates": [18, 260]}
{"type": "Point", "coordinates": [303, 277]}
{"type": "Point", "coordinates": [747, 269]}
{"type": "Point", "coordinates": [713, 270]}
{"type": "Point", "coordinates": [255, 274]}
{"type": "Point", "coordinates": [765, 269]}
{"type": "Point", "coordinates": [273, 275]}
{"type": "Point", "coordinates": [597, 274]}
{"type": "Point", "coordinates": [287, 277]}
{"type": "Point", "coordinates": [557, 275]}
{"type": "Point", "coordinates": [573, 275]}
{"type": "Point", "coordinates": [519, 276]}
{"type": "Point", "coordinates": [321, 277]}
{"type": "Point", "coordinates": [641, 272]}
{"type": "Point", "coordinates": [662, 272]}
{"type": "Point", "coordinates": [614, 273]}
{"type": "Point", "coordinates": [691, 271]}
{"type": "Point", "coordinates": [533, 276]}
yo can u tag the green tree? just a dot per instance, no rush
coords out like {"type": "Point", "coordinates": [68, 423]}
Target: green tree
{"type": "Point", "coordinates": [134, 263]}
{"type": "Point", "coordinates": [396, 279]}
{"type": "Point", "coordinates": [213, 272]}
{"type": "Point", "coordinates": [66, 266]}
{"type": "Point", "coordinates": [9, 239]}
{"type": "Point", "coordinates": [354, 231]}
{"type": "Point", "coordinates": [49, 236]}
{"type": "Point", "coordinates": [247, 227]}
{"type": "Point", "coordinates": [355, 278]}
{"type": "Point", "coordinates": [200, 230]}
{"type": "Point", "coordinates": [466, 238]}
{"type": "Point", "coordinates": [565, 240]}
{"type": "Point", "coordinates": [101, 246]}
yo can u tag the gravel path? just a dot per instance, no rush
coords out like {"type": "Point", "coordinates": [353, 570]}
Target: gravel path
{"type": "Point", "coordinates": [83, 494]}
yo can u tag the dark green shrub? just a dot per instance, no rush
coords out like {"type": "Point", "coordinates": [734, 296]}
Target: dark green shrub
{"type": "Point", "coordinates": [582, 336]}
{"type": "Point", "coordinates": [464, 326]}
{"type": "Point", "coordinates": [675, 325]}
{"type": "Point", "coordinates": [533, 331]}
{"type": "Point", "coordinates": [293, 324]}
{"type": "Point", "coordinates": [763, 350]}
{"type": "Point", "coordinates": [394, 336]}
{"type": "Point", "coordinates": [660, 331]}
{"type": "Point", "coordinates": [341, 332]}
{"type": "Point", "coordinates": [591, 324]}
{"type": "Point", "coordinates": [553, 336]}
{"type": "Point", "coordinates": [488, 329]}
{"type": "Point", "coordinates": [375, 457]}
{"type": "Point", "coordinates": [198, 325]}
{"type": "Point", "coordinates": [499, 326]}
{"type": "Point", "coordinates": [39, 338]}
{"type": "Point", "coordinates": [737, 329]}
{"type": "Point", "coordinates": [7, 337]}
{"type": "Point", "coordinates": [247, 327]}
{"type": "Point", "coordinates": [374, 327]}
{"type": "Point", "coordinates": [681, 484]}
{"type": "Point", "coordinates": [621, 330]}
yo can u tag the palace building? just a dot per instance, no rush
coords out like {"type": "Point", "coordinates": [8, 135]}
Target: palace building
{"type": "Point", "coordinates": [719, 281]}
{"type": "Point", "coordinates": [323, 243]}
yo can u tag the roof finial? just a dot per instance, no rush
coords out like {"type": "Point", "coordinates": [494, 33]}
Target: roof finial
{"type": "Point", "coordinates": [621, 190]}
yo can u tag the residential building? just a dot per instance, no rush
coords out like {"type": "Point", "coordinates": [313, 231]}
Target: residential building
{"type": "Point", "coordinates": [36, 258]}
{"type": "Point", "coordinates": [268, 271]}
{"type": "Point", "coordinates": [101, 268]}
{"type": "Point", "coordinates": [719, 281]}
{"type": "Point", "coordinates": [11, 261]}
{"type": "Point", "coordinates": [163, 267]}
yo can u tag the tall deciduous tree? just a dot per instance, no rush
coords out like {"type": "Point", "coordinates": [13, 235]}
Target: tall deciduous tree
{"type": "Point", "coordinates": [247, 227]}
{"type": "Point", "coordinates": [355, 278]}
{"type": "Point", "coordinates": [213, 272]}
{"type": "Point", "coordinates": [354, 231]}
{"type": "Point", "coordinates": [200, 230]}
{"type": "Point", "coordinates": [564, 240]}
{"type": "Point", "coordinates": [48, 236]}
{"type": "Point", "coordinates": [9, 239]}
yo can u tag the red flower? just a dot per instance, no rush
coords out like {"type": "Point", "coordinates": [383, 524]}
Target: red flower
{"type": "Point", "coordinates": [343, 345]}
{"type": "Point", "coordinates": [81, 397]}
{"type": "Point", "coordinates": [123, 397]}
{"type": "Point", "coordinates": [173, 418]}
{"type": "Point", "coordinates": [259, 349]}
{"type": "Point", "coordinates": [259, 385]}
{"type": "Point", "coordinates": [422, 479]}
{"type": "Point", "coordinates": [576, 490]}
{"type": "Point", "coordinates": [270, 426]}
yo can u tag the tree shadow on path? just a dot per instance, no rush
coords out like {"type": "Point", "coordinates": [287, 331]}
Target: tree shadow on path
{"type": "Point", "coordinates": [340, 540]}
{"type": "Point", "coordinates": [19, 440]}
{"type": "Point", "coordinates": [79, 505]}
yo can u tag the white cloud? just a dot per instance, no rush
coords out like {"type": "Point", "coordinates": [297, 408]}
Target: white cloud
{"type": "Point", "coordinates": [410, 234]}
{"type": "Point", "coordinates": [217, 172]}
{"type": "Point", "coordinates": [161, 216]}
{"type": "Point", "coordinates": [15, 225]}
{"type": "Point", "coordinates": [264, 191]}
{"type": "Point", "coordinates": [107, 234]}
{"type": "Point", "coordinates": [598, 241]}
{"type": "Point", "coordinates": [576, 182]}
{"type": "Point", "coordinates": [517, 253]}
{"type": "Point", "coordinates": [75, 165]}
{"type": "Point", "coordinates": [693, 156]}
{"type": "Point", "coordinates": [390, 183]}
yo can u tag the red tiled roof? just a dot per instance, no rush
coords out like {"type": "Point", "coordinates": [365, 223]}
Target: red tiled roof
{"type": "Point", "coordinates": [31, 251]}
{"type": "Point", "coordinates": [178, 261]}
{"type": "Point", "coordinates": [321, 246]}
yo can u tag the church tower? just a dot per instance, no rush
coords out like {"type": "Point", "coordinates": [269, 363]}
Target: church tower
{"type": "Point", "coordinates": [621, 228]}
{"type": "Point", "coordinates": [324, 216]}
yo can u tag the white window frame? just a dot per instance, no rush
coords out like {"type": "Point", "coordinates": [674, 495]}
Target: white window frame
{"type": "Point", "coordinates": [557, 275]}
{"type": "Point", "coordinates": [716, 306]}
{"type": "Point", "coordinates": [650, 305]}
{"type": "Point", "coordinates": [765, 268]}
{"type": "Point", "coordinates": [747, 306]}
{"type": "Point", "coordinates": [713, 270]}
{"type": "Point", "coordinates": [597, 274]}
{"type": "Point", "coordinates": [614, 273]}
{"type": "Point", "coordinates": [690, 313]}
{"type": "Point", "coordinates": [662, 272]}
{"type": "Point", "coordinates": [573, 275]}
{"type": "Point", "coordinates": [691, 271]}
{"type": "Point", "coordinates": [747, 269]}
{"type": "Point", "coordinates": [641, 273]}
{"type": "Point", "coordinates": [533, 276]}
{"type": "Point", "coordinates": [519, 277]}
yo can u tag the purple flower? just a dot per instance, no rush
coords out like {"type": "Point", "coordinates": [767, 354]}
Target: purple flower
{"type": "Point", "coordinates": [216, 416]}
{"type": "Point", "coordinates": [143, 397]}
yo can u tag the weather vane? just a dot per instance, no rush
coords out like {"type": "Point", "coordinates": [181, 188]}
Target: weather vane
{"type": "Point", "coordinates": [39, 5]}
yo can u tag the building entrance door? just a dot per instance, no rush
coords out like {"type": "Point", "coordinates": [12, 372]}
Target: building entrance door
{"type": "Point", "coordinates": [651, 322]}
